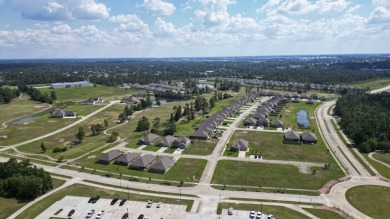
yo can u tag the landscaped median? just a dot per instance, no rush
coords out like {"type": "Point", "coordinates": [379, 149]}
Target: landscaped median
{"type": "Point", "coordinates": [229, 172]}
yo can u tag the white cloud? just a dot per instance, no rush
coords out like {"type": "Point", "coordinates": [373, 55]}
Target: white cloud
{"type": "Point", "coordinates": [158, 7]}
{"type": "Point", "coordinates": [301, 7]}
{"type": "Point", "coordinates": [380, 15]}
{"type": "Point", "coordinates": [381, 3]}
{"type": "Point", "coordinates": [213, 12]}
{"type": "Point", "coordinates": [123, 18]}
{"type": "Point", "coordinates": [61, 29]}
{"type": "Point", "coordinates": [133, 24]}
{"type": "Point", "coordinates": [56, 10]}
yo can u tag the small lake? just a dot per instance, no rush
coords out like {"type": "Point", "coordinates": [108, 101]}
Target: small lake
{"type": "Point", "coordinates": [302, 118]}
{"type": "Point", "coordinates": [24, 120]}
{"type": "Point", "coordinates": [168, 100]}
{"type": "Point", "coordinates": [205, 85]}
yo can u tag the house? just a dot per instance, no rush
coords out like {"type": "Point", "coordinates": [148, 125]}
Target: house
{"type": "Point", "coordinates": [277, 124]}
{"type": "Point", "coordinates": [311, 101]}
{"type": "Point", "coordinates": [167, 141]}
{"type": "Point", "coordinates": [240, 145]}
{"type": "Point", "coordinates": [162, 165]}
{"type": "Point", "coordinates": [131, 100]}
{"type": "Point", "coordinates": [149, 139]}
{"type": "Point", "coordinates": [71, 84]}
{"type": "Point", "coordinates": [182, 142]}
{"type": "Point", "coordinates": [322, 98]}
{"type": "Point", "coordinates": [295, 100]}
{"type": "Point", "coordinates": [93, 101]}
{"type": "Point", "coordinates": [201, 133]}
{"type": "Point", "coordinates": [292, 137]}
{"type": "Point", "coordinates": [263, 122]}
{"type": "Point", "coordinates": [109, 157]}
{"type": "Point", "coordinates": [126, 158]}
{"type": "Point", "coordinates": [143, 162]}
{"type": "Point", "coordinates": [309, 138]}
{"type": "Point", "coordinates": [250, 121]}
{"type": "Point", "coordinates": [58, 113]}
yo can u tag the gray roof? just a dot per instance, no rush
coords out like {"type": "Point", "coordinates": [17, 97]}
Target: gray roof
{"type": "Point", "coordinates": [167, 140]}
{"type": "Point", "coordinates": [143, 161]}
{"type": "Point", "coordinates": [277, 122]}
{"type": "Point", "coordinates": [163, 164]}
{"type": "Point", "coordinates": [309, 136]}
{"type": "Point", "coordinates": [251, 120]}
{"type": "Point", "coordinates": [127, 157]}
{"type": "Point", "coordinates": [240, 144]}
{"type": "Point", "coordinates": [150, 138]}
{"type": "Point", "coordinates": [111, 155]}
{"type": "Point", "coordinates": [291, 135]}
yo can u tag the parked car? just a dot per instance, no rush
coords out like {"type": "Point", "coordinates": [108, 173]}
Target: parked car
{"type": "Point", "coordinates": [125, 216]}
{"type": "Point", "coordinates": [71, 212]}
{"type": "Point", "coordinates": [149, 204]}
{"type": "Point", "coordinates": [259, 214]}
{"type": "Point", "coordinates": [96, 199]}
{"type": "Point", "coordinates": [141, 216]}
{"type": "Point", "coordinates": [100, 215]}
{"type": "Point", "coordinates": [90, 213]}
{"type": "Point", "coordinates": [230, 211]}
{"type": "Point", "coordinates": [252, 214]}
{"type": "Point", "coordinates": [159, 205]}
{"type": "Point", "coordinates": [122, 202]}
{"type": "Point", "coordinates": [91, 199]}
{"type": "Point", "coordinates": [114, 201]}
{"type": "Point", "coordinates": [270, 216]}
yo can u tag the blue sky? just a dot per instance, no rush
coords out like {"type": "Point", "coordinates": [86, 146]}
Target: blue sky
{"type": "Point", "coordinates": [186, 28]}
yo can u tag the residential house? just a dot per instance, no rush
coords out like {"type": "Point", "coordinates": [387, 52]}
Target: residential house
{"type": "Point", "coordinates": [311, 101]}
{"type": "Point", "coordinates": [126, 158]}
{"type": "Point", "coordinates": [109, 157]}
{"type": "Point", "coordinates": [309, 138]}
{"type": "Point", "coordinates": [58, 113]}
{"type": "Point", "coordinates": [167, 141]}
{"type": "Point", "coordinates": [240, 145]}
{"type": "Point", "coordinates": [250, 121]}
{"type": "Point", "coordinates": [149, 139]}
{"type": "Point", "coordinates": [263, 122]}
{"type": "Point", "coordinates": [182, 142]}
{"type": "Point", "coordinates": [295, 100]}
{"type": "Point", "coordinates": [143, 162]}
{"type": "Point", "coordinates": [277, 124]}
{"type": "Point", "coordinates": [92, 101]}
{"type": "Point", "coordinates": [162, 165]}
{"type": "Point", "coordinates": [292, 137]}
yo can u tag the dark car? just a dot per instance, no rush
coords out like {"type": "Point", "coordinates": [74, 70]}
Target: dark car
{"type": "Point", "coordinates": [125, 216]}
{"type": "Point", "coordinates": [122, 202]}
{"type": "Point", "coordinates": [114, 201]}
{"type": "Point", "coordinates": [96, 199]}
{"type": "Point", "coordinates": [71, 212]}
{"type": "Point", "coordinates": [91, 199]}
{"type": "Point", "coordinates": [141, 216]}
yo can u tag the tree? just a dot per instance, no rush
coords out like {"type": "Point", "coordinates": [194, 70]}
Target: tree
{"type": "Point", "coordinates": [43, 148]}
{"type": "Point", "coordinates": [143, 124]}
{"type": "Point", "coordinates": [122, 117]}
{"type": "Point", "coordinates": [158, 102]}
{"type": "Point", "coordinates": [178, 113]}
{"type": "Point", "coordinates": [105, 124]}
{"type": "Point", "coordinates": [212, 102]}
{"type": "Point", "coordinates": [169, 128]}
{"type": "Point", "coordinates": [113, 137]}
{"type": "Point", "coordinates": [53, 95]}
{"type": "Point", "coordinates": [156, 125]}
{"type": "Point", "coordinates": [93, 130]}
{"type": "Point", "coordinates": [81, 134]}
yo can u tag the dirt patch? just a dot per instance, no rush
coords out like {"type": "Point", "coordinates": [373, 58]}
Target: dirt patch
{"type": "Point", "coordinates": [328, 186]}
{"type": "Point", "coordinates": [91, 157]}
{"type": "Point", "coordinates": [66, 143]}
{"type": "Point", "coordinates": [311, 117]}
{"type": "Point", "coordinates": [288, 111]}
{"type": "Point", "coordinates": [39, 106]}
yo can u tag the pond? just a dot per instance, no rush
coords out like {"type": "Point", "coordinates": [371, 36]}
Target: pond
{"type": "Point", "coordinates": [205, 85]}
{"type": "Point", "coordinates": [168, 100]}
{"type": "Point", "coordinates": [24, 120]}
{"type": "Point", "coordinates": [302, 118]}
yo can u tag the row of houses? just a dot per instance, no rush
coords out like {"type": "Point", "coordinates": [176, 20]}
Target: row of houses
{"type": "Point", "coordinates": [296, 138]}
{"type": "Point", "coordinates": [166, 141]}
{"type": "Point", "coordinates": [137, 161]}
{"type": "Point", "coordinates": [159, 88]}
{"type": "Point", "coordinates": [298, 85]}
{"type": "Point", "coordinates": [93, 101]}
{"type": "Point", "coordinates": [260, 117]}
{"type": "Point", "coordinates": [207, 127]}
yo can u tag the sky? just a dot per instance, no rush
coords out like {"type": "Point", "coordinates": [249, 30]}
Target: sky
{"type": "Point", "coordinates": [34, 29]}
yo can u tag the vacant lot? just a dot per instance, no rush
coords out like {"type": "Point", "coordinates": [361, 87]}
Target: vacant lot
{"type": "Point", "coordinates": [82, 190]}
{"type": "Point", "coordinates": [323, 214]}
{"type": "Point", "coordinates": [372, 84]}
{"type": "Point", "coordinates": [83, 93]}
{"type": "Point", "coordinates": [371, 200]}
{"type": "Point", "coordinates": [270, 175]}
{"type": "Point", "coordinates": [289, 116]}
{"type": "Point", "coordinates": [19, 108]}
{"type": "Point", "coordinates": [277, 211]}
{"type": "Point", "coordinates": [201, 147]}
{"type": "Point", "coordinates": [270, 145]}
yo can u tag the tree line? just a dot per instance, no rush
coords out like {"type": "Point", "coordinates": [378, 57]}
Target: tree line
{"type": "Point", "coordinates": [365, 119]}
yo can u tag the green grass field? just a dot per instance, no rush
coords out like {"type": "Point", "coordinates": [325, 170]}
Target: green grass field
{"type": "Point", "coordinates": [83, 93]}
{"type": "Point", "coordinates": [277, 211]}
{"type": "Point", "coordinates": [87, 191]}
{"type": "Point", "coordinates": [382, 169]}
{"type": "Point", "coordinates": [10, 205]}
{"type": "Point", "coordinates": [384, 157]}
{"type": "Point", "coordinates": [19, 108]}
{"type": "Point", "coordinates": [270, 145]}
{"type": "Point", "coordinates": [201, 147]}
{"type": "Point", "coordinates": [371, 200]}
{"type": "Point", "coordinates": [270, 175]}
{"type": "Point", "coordinates": [289, 117]}
{"type": "Point", "coordinates": [372, 84]}
{"type": "Point", "coordinates": [323, 214]}
{"type": "Point", "coordinates": [81, 109]}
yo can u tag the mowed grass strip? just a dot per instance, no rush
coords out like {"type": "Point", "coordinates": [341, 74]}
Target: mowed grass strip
{"type": "Point", "coordinates": [88, 191]}
{"type": "Point", "coordinates": [384, 157]}
{"type": "Point", "coordinates": [10, 205]}
{"type": "Point", "coordinates": [83, 93]}
{"type": "Point", "coordinates": [372, 83]}
{"type": "Point", "coordinates": [371, 200]}
{"type": "Point", "coordinates": [271, 146]}
{"type": "Point", "coordinates": [382, 169]}
{"type": "Point", "coordinates": [270, 175]}
{"type": "Point", "coordinates": [277, 211]}
{"type": "Point", "coordinates": [323, 213]}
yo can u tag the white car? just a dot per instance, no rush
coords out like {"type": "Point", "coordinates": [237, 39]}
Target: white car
{"type": "Point", "coordinates": [100, 215]}
{"type": "Point", "coordinates": [149, 204]}
{"type": "Point", "coordinates": [89, 215]}
{"type": "Point", "coordinates": [230, 211]}
{"type": "Point", "coordinates": [270, 216]}
{"type": "Point", "coordinates": [159, 205]}
{"type": "Point", "coordinates": [252, 214]}
{"type": "Point", "coordinates": [258, 215]}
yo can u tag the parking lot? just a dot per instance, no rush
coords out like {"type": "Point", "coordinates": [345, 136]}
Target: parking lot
{"type": "Point", "coordinates": [238, 214]}
{"type": "Point", "coordinates": [134, 208]}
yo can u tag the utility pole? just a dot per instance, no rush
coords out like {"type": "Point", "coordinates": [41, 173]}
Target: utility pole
{"type": "Point", "coordinates": [180, 197]}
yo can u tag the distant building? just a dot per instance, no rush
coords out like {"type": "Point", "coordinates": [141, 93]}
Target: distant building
{"type": "Point", "coordinates": [71, 84]}
{"type": "Point", "coordinates": [240, 145]}
{"type": "Point", "coordinates": [58, 113]}
{"type": "Point", "coordinates": [93, 101]}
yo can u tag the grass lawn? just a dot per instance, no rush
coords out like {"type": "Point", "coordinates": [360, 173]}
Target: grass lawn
{"type": "Point", "coordinates": [270, 175]}
{"type": "Point", "coordinates": [10, 205]}
{"type": "Point", "coordinates": [382, 169]}
{"type": "Point", "coordinates": [201, 147]}
{"type": "Point", "coordinates": [83, 93]}
{"type": "Point", "coordinates": [270, 145]}
{"type": "Point", "coordinates": [82, 190]}
{"type": "Point", "coordinates": [372, 84]}
{"type": "Point", "coordinates": [183, 168]}
{"type": "Point", "coordinates": [289, 116]}
{"type": "Point", "coordinates": [323, 214]}
{"type": "Point", "coordinates": [19, 108]}
{"type": "Point", "coordinates": [152, 148]}
{"type": "Point", "coordinates": [384, 157]}
{"type": "Point", "coordinates": [371, 200]}
{"type": "Point", "coordinates": [277, 211]}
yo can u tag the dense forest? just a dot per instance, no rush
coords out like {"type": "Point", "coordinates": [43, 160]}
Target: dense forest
{"type": "Point", "coordinates": [329, 70]}
{"type": "Point", "coordinates": [365, 119]}
{"type": "Point", "coordinates": [22, 180]}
